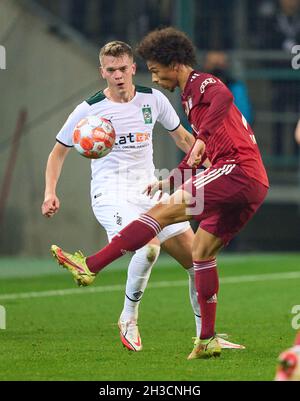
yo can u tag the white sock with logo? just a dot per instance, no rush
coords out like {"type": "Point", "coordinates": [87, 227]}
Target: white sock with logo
{"type": "Point", "coordinates": [194, 300]}
{"type": "Point", "coordinates": [138, 274]}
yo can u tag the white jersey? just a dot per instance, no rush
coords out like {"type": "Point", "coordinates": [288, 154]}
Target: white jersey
{"type": "Point", "coordinates": [129, 166]}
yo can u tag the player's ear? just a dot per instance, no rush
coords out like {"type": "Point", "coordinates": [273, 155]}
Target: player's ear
{"type": "Point", "coordinates": [175, 67]}
{"type": "Point", "coordinates": [133, 68]}
{"type": "Point", "coordinates": [101, 72]}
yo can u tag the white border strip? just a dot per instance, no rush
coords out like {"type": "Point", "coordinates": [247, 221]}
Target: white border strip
{"type": "Point", "coordinates": [159, 284]}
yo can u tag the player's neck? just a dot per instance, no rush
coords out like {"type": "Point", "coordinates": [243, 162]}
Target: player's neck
{"type": "Point", "coordinates": [118, 96]}
{"type": "Point", "coordinates": [183, 75]}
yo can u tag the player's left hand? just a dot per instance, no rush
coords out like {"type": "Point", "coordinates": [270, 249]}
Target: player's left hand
{"type": "Point", "coordinates": [196, 153]}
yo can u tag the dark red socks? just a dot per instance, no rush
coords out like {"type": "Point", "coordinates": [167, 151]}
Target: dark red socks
{"type": "Point", "coordinates": [207, 286]}
{"type": "Point", "coordinates": [132, 237]}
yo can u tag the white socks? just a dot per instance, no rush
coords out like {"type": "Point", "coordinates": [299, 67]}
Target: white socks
{"type": "Point", "coordinates": [138, 274]}
{"type": "Point", "coordinates": [194, 300]}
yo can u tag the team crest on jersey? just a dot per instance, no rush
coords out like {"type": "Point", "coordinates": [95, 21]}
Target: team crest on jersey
{"type": "Point", "coordinates": [118, 219]}
{"type": "Point", "coordinates": [147, 113]}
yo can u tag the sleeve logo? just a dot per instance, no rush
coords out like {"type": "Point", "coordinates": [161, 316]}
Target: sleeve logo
{"type": "Point", "coordinates": [188, 105]}
{"type": "Point", "coordinates": [205, 83]}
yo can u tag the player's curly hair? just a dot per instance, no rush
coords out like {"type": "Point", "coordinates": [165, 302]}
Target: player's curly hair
{"type": "Point", "coordinates": [167, 46]}
{"type": "Point", "coordinates": [116, 48]}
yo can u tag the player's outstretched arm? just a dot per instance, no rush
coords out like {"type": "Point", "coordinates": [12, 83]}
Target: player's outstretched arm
{"type": "Point", "coordinates": [184, 140]}
{"type": "Point", "coordinates": [55, 162]}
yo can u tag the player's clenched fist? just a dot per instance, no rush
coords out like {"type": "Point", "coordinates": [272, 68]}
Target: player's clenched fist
{"type": "Point", "coordinates": [196, 153]}
{"type": "Point", "coordinates": [50, 206]}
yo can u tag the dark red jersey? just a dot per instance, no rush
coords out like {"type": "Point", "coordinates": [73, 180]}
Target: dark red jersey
{"type": "Point", "coordinates": [215, 119]}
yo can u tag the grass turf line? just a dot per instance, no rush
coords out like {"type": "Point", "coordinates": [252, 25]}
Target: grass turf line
{"type": "Point", "coordinates": [76, 338]}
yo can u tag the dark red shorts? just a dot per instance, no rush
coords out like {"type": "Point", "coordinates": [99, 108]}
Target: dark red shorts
{"type": "Point", "coordinates": [225, 199]}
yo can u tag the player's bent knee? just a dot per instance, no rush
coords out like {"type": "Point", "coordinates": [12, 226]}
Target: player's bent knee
{"type": "Point", "coordinates": [202, 255]}
{"type": "Point", "coordinates": [206, 245]}
{"type": "Point", "coordinates": [157, 210]}
{"type": "Point", "coordinates": [202, 252]}
{"type": "Point", "coordinates": [167, 214]}
{"type": "Point", "coordinates": [152, 252]}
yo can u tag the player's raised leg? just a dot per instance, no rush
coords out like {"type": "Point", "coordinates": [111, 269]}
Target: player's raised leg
{"type": "Point", "coordinates": [132, 237]}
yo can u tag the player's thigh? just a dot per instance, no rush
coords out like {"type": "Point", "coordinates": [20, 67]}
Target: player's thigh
{"type": "Point", "coordinates": [173, 210]}
{"type": "Point", "coordinates": [180, 247]}
{"type": "Point", "coordinates": [211, 189]}
{"type": "Point", "coordinates": [168, 231]}
{"type": "Point", "coordinates": [113, 217]}
{"type": "Point", "coordinates": [230, 218]}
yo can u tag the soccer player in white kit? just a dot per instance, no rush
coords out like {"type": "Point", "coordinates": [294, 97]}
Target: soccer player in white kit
{"type": "Point", "coordinates": [119, 179]}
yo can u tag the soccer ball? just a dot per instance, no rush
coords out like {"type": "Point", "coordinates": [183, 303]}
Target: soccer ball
{"type": "Point", "coordinates": [94, 137]}
{"type": "Point", "coordinates": [288, 364]}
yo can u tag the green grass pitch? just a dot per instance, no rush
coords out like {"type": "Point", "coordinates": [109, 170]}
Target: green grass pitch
{"type": "Point", "coordinates": [55, 331]}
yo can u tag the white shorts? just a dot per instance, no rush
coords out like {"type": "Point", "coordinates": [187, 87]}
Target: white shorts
{"type": "Point", "coordinates": [115, 216]}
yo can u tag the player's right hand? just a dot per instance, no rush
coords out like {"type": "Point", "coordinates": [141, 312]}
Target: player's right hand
{"type": "Point", "coordinates": [196, 153]}
{"type": "Point", "coordinates": [50, 206]}
{"type": "Point", "coordinates": [152, 189]}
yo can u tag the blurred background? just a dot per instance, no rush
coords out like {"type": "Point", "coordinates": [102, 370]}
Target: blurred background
{"type": "Point", "coordinates": [51, 65]}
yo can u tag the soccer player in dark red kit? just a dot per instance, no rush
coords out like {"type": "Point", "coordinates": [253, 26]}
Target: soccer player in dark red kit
{"type": "Point", "coordinates": [223, 198]}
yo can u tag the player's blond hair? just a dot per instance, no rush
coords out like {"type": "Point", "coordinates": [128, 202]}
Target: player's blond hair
{"type": "Point", "coordinates": [115, 49]}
